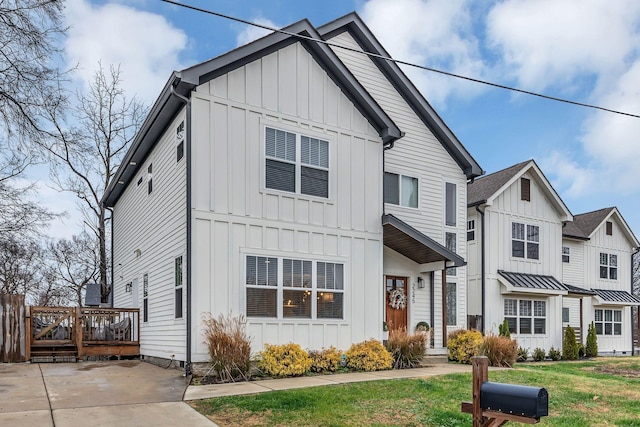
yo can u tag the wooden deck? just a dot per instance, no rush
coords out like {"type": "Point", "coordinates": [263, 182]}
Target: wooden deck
{"type": "Point", "coordinates": [71, 333]}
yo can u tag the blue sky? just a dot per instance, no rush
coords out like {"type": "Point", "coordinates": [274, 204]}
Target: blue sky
{"type": "Point", "coordinates": [587, 51]}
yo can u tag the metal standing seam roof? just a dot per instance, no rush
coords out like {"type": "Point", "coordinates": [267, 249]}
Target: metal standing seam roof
{"type": "Point", "coordinates": [420, 248]}
{"type": "Point", "coordinates": [617, 296]}
{"type": "Point", "coordinates": [533, 281]}
{"type": "Point", "coordinates": [577, 290]}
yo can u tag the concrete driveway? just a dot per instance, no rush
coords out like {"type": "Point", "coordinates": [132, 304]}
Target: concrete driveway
{"type": "Point", "coordinates": [115, 393]}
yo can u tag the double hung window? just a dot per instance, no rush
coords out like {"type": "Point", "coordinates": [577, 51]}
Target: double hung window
{"type": "Point", "coordinates": [526, 317]}
{"type": "Point", "coordinates": [608, 322]}
{"type": "Point", "coordinates": [608, 266]}
{"type": "Point", "coordinates": [400, 190]}
{"type": "Point", "coordinates": [296, 163]}
{"type": "Point", "coordinates": [525, 241]}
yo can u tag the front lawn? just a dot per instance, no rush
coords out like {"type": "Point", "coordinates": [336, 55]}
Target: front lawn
{"type": "Point", "coordinates": [601, 392]}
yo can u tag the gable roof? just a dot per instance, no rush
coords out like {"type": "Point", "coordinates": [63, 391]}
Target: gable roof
{"type": "Point", "coordinates": [584, 225]}
{"type": "Point", "coordinates": [368, 42]}
{"type": "Point", "coordinates": [181, 84]}
{"type": "Point", "coordinates": [485, 189]}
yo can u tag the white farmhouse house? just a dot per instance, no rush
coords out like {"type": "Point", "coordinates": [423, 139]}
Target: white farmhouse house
{"type": "Point", "coordinates": [531, 262]}
{"type": "Point", "coordinates": [597, 251]}
{"type": "Point", "coordinates": [255, 187]}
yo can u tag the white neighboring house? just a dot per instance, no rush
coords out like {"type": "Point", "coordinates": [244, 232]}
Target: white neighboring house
{"type": "Point", "coordinates": [597, 251]}
{"type": "Point", "coordinates": [514, 241]}
{"type": "Point", "coordinates": [255, 187]}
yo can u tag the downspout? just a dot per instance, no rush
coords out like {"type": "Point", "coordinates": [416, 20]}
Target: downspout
{"type": "Point", "coordinates": [187, 102]}
{"type": "Point", "coordinates": [637, 308]}
{"type": "Point", "coordinates": [482, 267]}
{"type": "Point", "coordinates": [112, 275]}
{"type": "Point", "coordinates": [432, 296]}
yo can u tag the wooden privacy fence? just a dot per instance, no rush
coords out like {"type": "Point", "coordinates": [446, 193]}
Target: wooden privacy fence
{"type": "Point", "coordinates": [12, 329]}
{"type": "Point", "coordinates": [75, 332]}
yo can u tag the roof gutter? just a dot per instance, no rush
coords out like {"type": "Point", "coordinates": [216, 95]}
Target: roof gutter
{"type": "Point", "coordinates": [187, 103]}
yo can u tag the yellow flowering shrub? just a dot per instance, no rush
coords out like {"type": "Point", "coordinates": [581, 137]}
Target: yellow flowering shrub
{"type": "Point", "coordinates": [284, 360]}
{"type": "Point", "coordinates": [368, 356]}
{"type": "Point", "coordinates": [463, 345]}
{"type": "Point", "coordinates": [325, 360]}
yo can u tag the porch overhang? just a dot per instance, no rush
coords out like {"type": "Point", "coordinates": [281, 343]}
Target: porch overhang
{"type": "Point", "coordinates": [531, 284]}
{"type": "Point", "coordinates": [418, 247]}
{"type": "Point", "coordinates": [577, 291]}
{"type": "Point", "coordinates": [620, 298]}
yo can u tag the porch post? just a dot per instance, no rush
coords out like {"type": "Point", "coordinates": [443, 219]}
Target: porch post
{"type": "Point", "coordinates": [444, 307]}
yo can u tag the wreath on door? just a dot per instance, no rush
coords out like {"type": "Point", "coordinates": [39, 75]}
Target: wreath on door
{"type": "Point", "coordinates": [397, 299]}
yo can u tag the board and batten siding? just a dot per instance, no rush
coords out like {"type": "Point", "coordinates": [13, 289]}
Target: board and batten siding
{"type": "Point", "coordinates": [420, 155]}
{"type": "Point", "coordinates": [149, 232]}
{"type": "Point", "coordinates": [235, 215]}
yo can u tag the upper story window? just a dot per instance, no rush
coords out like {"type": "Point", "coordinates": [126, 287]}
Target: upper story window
{"type": "Point", "coordinates": [608, 266]}
{"type": "Point", "coordinates": [525, 189]}
{"type": "Point", "coordinates": [150, 178]}
{"type": "Point", "coordinates": [450, 242]}
{"type": "Point", "coordinates": [451, 200]}
{"type": "Point", "coordinates": [471, 230]}
{"type": "Point", "coordinates": [295, 293]}
{"type": "Point", "coordinates": [609, 226]}
{"type": "Point", "coordinates": [180, 141]}
{"type": "Point", "coordinates": [525, 245]}
{"type": "Point", "coordinates": [400, 190]}
{"type": "Point", "coordinates": [296, 163]}
{"type": "Point", "coordinates": [565, 253]}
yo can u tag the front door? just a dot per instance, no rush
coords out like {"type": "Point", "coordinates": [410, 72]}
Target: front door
{"type": "Point", "coordinates": [396, 302]}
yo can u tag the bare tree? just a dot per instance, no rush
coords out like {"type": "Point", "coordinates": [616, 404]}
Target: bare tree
{"type": "Point", "coordinates": [21, 266]}
{"type": "Point", "coordinates": [75, 263]}
{"type": "Point", "coordinates": [88, 148]}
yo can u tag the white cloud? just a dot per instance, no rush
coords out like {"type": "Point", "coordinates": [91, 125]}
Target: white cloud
{"type": "Point", "coordinates": [551, 42]}
{"type": "Point", "coordinates": [251, 33]}
{"type": "Point", "coordinates": [437, 34]}
{"type": "Point", "coordinates": [570, 178]}
{"type": "Point", "coordinates": [145, 44]}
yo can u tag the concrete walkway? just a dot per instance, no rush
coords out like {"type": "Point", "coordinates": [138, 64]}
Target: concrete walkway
{"type": "Point", "coordinates": [231, 389]}
{"type": "Point", "coordinates": [118, 393]}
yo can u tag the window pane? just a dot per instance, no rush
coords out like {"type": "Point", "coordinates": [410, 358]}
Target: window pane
{"type": "Point", "coordinates": [565, 314]}
{"type": "Point", "coordinates": [314, 182]}
{"type": "Point", "coordinates": [513, 324]}
{"type": "Point", "coordinates": [339, 276]}
{"type": "Point", "coordinates": [533, 233]}
{"type": "Point", "coordinates": [598, 316]}
{"type": "Point", "coordinates": [450, 206]}
{"type": "Point", "coordinates": [532, 250]}
{"type": "Point", "coordinates": [452, 318]}
{"type": "Point", "coordinates": [267, 271]}
{"type": "Point", "coordinates": [613, 273]}
{"type": "Point", "coordinates": [539, 326]}
{"type": "Point", "coordinates": [252, 270]}
{"type": "Point", "coordinates": [305, 150]}
{"type": "Point", "coordinates": [517, 249]}
{"type": "Point", "coordinates": [540, 308]}
{"type": "Point", "coordinates": [613, 260]}
{"type": "Point", "coordinates": [270, 142]}
{"type": "Point", "coordinates": [608, 315]}
{"type": "Point", "coordinates": [409, 192]}
{"type": "Point", "coordinates": [261, 302]}
{"type": "Point", "coordinates": [178, 303]}
{"type": "Point", "coordinates": [617, 316]}
{"type": "Point", "coordinates": [603, 272]}
{"type": "Point", "coordinates": [617, 329]}
{"type": "Point", "coordinates": [280, 175]}
{"type": "Point", "coordinates": [608, 329]}
{"type": "Point", "coordinates": [598, 328]}
{"type": "Point", "coordinates": [391, 188]}
{"type": "Point", "coordinates": [329, 280]}
{"type": "Point", "coordinates": [287, 272]}
{"type": "Point", "coordinates": [510, 307]}
{"type": "Point", "coordinates": [306, 274]}
{"type": "Point", "coordinates": [450, 243]}
{"type": "Point", "coordinates": [517, 231]}
{"type": "Point", "coordinates": [525, 325]}
{"type": "Point", "coordinates": [604, 259]}
{"type": "Point", "coordinates": [323, 155]}
{"type": "Point", "coordinates": [525, 308]}
{"type": "Point", "coordinates": [321, 275]}
{"type": "Point", "coordinates": [296, 304]}
{"type": "Point", "coordinates": [330, 305]}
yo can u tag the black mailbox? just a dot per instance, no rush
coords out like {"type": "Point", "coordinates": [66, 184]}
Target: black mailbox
{"type": "Point", "coordinates": [515, 399]}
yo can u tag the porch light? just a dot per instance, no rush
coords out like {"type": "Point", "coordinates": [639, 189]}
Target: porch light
{"type": "Point", "coordinates": [420, 282]}
{"type": "Point", "coordinates": [127, 288]}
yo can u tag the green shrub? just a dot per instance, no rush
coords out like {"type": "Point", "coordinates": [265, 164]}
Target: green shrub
{"type": "Point", "coordinates": [538, 354]}
{"type": "Point", "coordinates": [407, 349]}
{"type": "Point", "coordinates": [523, 354]}
{"type": "Point", "coordinates": [504, 329]}
{"type": "Point", "coordinates": [368, 356]}
{"type": "Point", "coordinates": [284, 360]}
{"type": "Point", "coordinates": [554, 354]}
{"type": "Point", "coordinates": [228, 345]}
{"type": "Point", "coordinates": [500, 350]}
{"type": "Point", "coordinates": [580, 350]}
{"type": "Point", "coordinates": [591, 349]}
{"type": "Point", "coordinates": [463, 344]}
{"type": "Point", "coordinates": [569, 344]}
{"type": "Point", "coordinates": [325, 360]}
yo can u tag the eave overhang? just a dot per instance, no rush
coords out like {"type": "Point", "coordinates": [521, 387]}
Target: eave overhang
{"type": "Point", "coordinates": [619, 298]}
{"type": "Point", "coordinates": [530, 284]}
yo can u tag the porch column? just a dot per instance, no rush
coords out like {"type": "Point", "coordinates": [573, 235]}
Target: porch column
{"type": "Point", "coordinates": [444, 308]}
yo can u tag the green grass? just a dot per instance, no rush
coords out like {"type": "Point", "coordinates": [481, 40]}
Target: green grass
{"type": "Point", "coordinates": [602, 392]}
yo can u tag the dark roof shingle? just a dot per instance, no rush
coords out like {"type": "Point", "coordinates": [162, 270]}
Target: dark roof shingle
{"type": "Point", "coordinates": [586, 223]}
{"type": "Point", "coordinates": [483, 187]}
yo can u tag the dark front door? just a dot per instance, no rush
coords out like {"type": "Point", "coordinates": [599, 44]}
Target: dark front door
{"type": "Point", "coordinates": [396, 302]}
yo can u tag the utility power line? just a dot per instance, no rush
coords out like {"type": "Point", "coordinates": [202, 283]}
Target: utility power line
{"type": "Point", "coordinates": [398, 61]}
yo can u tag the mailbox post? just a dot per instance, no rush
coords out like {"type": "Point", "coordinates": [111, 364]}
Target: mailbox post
{"type": "Point", "coordinates": [495, 404]}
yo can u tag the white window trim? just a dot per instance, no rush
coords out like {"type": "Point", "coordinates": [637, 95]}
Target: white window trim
{"type": "Point", "coordinates": [511, 239]}
{"type": "Point", "coordinates": [471, 222]}
{"type": "Point", "coordinates": [613, 322]}
{"type": "Point", "coordinates": [568, 254]}
{"type": "Point", "coordinates": [181, 287]}
{"type": "Point", "coordinates": [400, 175]}
{"type": "Point", "coordinates": [444, 203]}
{"type": "Point", "coordinates": [298, 131]}
{"type": "Point", "coordinates": [532, 317]}
{"type": "Point", "coordinates": [280, 256]}
{"type": "Point", "coordinates": [609, 266]}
